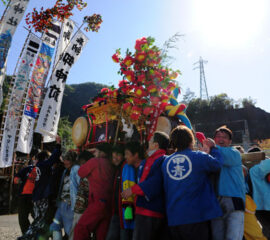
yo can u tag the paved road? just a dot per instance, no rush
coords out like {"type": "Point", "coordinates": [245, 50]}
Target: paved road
{"type": "Point", "coordinates": [9, 227]}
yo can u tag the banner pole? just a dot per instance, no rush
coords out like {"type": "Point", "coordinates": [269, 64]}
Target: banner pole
{"type": "Point", "coordinates": [11, 183]}
{"type": "Point", "coordinates": [4, 13]}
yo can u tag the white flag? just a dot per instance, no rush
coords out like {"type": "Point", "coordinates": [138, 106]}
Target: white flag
{"type": "Point", "coordinates": [8, 27]}
{"type": "Point", "coordinates": [50, 111]}
{"type": "Point", "coordinates": [64, 39]}
{"type": "Point", "coordinates": [35, 89]}
{"type": "Point", "coordinates": [15, 102]}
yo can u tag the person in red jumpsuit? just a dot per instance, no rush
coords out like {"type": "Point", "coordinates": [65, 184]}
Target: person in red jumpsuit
{"type": "Point", "coordinates": [99, 172]}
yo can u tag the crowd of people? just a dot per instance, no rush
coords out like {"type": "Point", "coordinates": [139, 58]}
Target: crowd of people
{"type": "Point", "coordinates": [122, 192]}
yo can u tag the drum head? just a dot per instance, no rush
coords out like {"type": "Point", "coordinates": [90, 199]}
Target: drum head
{"type": "Point", "coordinates": [80, 131]}
{"type": "Point", "coordinates": [164, 125]}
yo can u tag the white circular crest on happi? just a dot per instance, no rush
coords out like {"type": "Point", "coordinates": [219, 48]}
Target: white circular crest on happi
{"type": "Point", "coordinates": [179, 167]}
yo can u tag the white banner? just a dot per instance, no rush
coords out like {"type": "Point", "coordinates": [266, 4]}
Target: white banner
{"type": "Point", "coordinates": [2, 78]}
{"type": "Point", "coordinates": [50, 111]}
{"type": "Point", "coordinates": [64, 39]}
{"type": "Point", "coordinates": [15, 103]}
{"type": "Point", "coordinates": [8, 27]}
{"type": "Point", "coordinates": [35, 89]}
{"type": "Point", "coordinates": [25, 140]}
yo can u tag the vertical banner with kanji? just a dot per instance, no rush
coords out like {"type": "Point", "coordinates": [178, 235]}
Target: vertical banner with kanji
{"type": "Point", "coordinates": [8, 27]}
{"type": "Point", "coordinates": [36, 88]}
{"type": "Point", "coordinates": [50, 111]}
{"type": "Point", "coordinates": [15, 102]}
{"type": "Point", "coordinates": [66, 33]}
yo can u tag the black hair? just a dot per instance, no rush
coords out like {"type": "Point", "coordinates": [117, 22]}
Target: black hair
{"type": "Point", "coordinates": [135, 147]}
{"type": "Point", "coordinates": [105, 148]}
{"type": "Point", "coordinates": [181, 138]}
{"type": "Point", "coordinates": [34, 152]}
{"type": "Point", "coordinates": [42, 156]}
{"type": "Point", "coordinates": [225, 130]}
{"type": "Point", "coordinates": [118, 149]}
{"type": "Point", "coordinates": [162, 139]}
{"type": "Point", "coordinates": [71, 156]}
{"type": "Point", "coordinates": [85, 155]}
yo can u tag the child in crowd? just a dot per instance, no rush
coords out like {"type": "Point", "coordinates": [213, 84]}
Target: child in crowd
{"type": "Point", "coordinates": [150, 203]}
{"type": "Point", "coordinates": [41, 190]}
{"type": "Point", "coordinates": [67, 196]}
{"type": "Point", "coordinates": [26, 178]}
{"type": "Point", "coordinates": [260, 191]}
{"type": "Point", "coordinates": [120, 228]}
{"type": "Point", "coordinates": [252, 228]}
{"type": "Point", "coordinates": [82, 194]}
{"type": "Point", "coordinates": [134, 155]}
{"type": "Point", "coordinates": [190, 199]}
{"type": "Point", "coordinates": [54, 182]}
{"type": "Point", "coordinates": [96, 217]}
{"type": "Point", "coordinates": [231, 189]}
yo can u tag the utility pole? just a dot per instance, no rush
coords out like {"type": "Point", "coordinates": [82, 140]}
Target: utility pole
{"type": "Point", "coordinates": [203, 87]}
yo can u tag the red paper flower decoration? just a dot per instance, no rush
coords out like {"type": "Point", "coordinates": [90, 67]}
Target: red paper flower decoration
{"type": "Point", "coordinates": [140, 56]}
{"type": "Point", "coordinates": [139, 92]}
{"type": "Point", "coordinates": [128, 61]}
{"type": "Point", "coordinates": [140, 43]}
{"type": "Point", "coordinates": [130, 75]}
{"type": "Point", "coordinates": [115, 57]}
{"type": "Point", "coordinates": [147, 84]}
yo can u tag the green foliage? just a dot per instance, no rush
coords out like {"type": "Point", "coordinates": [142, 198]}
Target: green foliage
{"type": "Point", "coordinates": [64, 131]}
{"type": "Point", "coordinates": [77, 95]}
{"type": "Point", "coordinates": [168, 45]}
{"type": "Point", "coordinates": [248, 102]}
{"type": "Point", "coordinates": [4, 2]}
{"type": "Point", "coordinates": [221, 102]}
{"type": "Point", "coordinates": [198, 107]}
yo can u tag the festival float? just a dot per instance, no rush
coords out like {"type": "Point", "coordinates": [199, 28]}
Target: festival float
{"type": "Point", "coordinates": [144, 102]}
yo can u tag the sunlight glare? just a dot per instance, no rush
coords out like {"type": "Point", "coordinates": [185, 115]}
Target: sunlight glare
{"type": "Point", "coordinates": [228, 23]}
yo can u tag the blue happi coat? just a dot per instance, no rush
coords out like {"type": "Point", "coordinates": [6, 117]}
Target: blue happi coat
{"type": "Point", "coordinates": [189, 194]}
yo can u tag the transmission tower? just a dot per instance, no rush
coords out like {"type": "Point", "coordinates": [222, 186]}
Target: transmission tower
{"type": "Point", "coordinates": [203, 87]}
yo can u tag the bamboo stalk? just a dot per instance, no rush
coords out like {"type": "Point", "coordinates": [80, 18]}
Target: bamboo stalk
{"type": "Point", "coordinates": [4, 13]}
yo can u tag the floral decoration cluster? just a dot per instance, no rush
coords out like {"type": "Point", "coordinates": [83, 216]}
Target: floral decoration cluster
{"type": "Point", "coordinates": [93, 22]}
{"type": "Point", "coordinates": [146, 85]}
{"type": "Point", "coordinates": [42, 20]}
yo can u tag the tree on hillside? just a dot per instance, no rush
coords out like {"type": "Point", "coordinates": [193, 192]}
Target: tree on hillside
{"type": "Point", "coordinates": [248, 102]}
{"type": "Point", "coordinates": [197, 107]}
{"type": "Point", "coordinates": [77, 95]}
{"type": "Point", "coordinates": [188, 96]}
{"type": "Point", "coordinates": [221, 102]}
{"type": "Point", "coordinates": [64, 131]}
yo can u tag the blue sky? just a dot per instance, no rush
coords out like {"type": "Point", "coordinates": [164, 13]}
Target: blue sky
{"type": "Point", "coordinates": [232, 35]}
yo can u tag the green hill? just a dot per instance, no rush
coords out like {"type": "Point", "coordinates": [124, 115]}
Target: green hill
{"type": "Point", "coordinates": [77, 95]}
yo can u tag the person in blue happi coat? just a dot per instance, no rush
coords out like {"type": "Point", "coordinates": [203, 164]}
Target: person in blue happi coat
{"type": "Point", "coordinates": [189, 195]}
{"type": "Point", "coordinates": [230, 189]}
